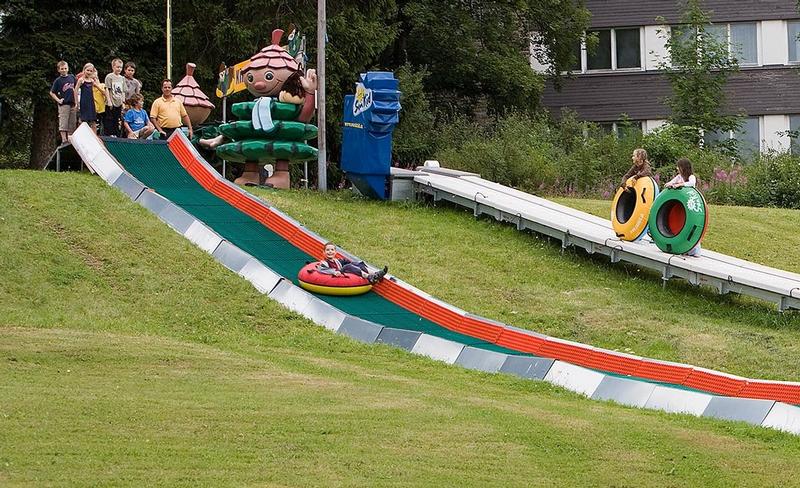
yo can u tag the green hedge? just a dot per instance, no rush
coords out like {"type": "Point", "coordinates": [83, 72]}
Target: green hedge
{"type": "Point", "coordinates": [575, 158]}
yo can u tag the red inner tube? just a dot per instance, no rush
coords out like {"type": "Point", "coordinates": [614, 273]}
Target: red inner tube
{"type": "Point", "coordinates": [309, 274]}
{"type": "Point", "coordinates": [676, 218]}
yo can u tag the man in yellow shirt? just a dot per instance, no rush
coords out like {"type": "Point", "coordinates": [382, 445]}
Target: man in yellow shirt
{"type": "Point", "coordinates": [167, 112]}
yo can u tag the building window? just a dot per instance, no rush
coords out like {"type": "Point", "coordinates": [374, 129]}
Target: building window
{"type": "Point", "coordinates": [794, 133]}
{"type": "Point", "coordinates": [615, 49]}
{"type": "Point", "coordinates": [794, 42]}
{"type": "Point", "coordinates": [600, 57]}
{"type": "Point", "coordinates": [741, 39]}
{"type": "Point", "coordinates": [629, 54]}
{"type": "Point", "coordinates": [743, 43]}
{"type": "Point", "coordinates": [621, 128]}
{"type": "Point", "coordinates": [748, 137]}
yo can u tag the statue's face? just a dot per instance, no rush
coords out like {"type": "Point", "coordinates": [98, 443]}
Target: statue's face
{"type": "Point", "coordinates": [266, 81]}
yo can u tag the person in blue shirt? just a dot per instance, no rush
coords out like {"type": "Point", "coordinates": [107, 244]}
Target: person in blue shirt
{"type": "Point", "coordinates": [63, 93]}
{"type": "Point", "coordinates": [136, 120]}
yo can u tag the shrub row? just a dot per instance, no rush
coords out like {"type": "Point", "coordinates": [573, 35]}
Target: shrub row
{"type": "Point", "coordinates": [575, 158]}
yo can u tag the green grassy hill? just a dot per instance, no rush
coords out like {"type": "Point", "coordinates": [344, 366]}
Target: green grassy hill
{"type": "Point", "coordinates": [130, 357]}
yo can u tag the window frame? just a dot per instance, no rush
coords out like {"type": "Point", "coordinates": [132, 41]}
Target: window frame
{"type": "Point", "coordinates": [729, 41]}
{"type": "Point", "coordinates": [584, 61]}
{"type": "Point", "coordinates": [789, 42]}
{"type": "Point", "coordinates": [760, 130]}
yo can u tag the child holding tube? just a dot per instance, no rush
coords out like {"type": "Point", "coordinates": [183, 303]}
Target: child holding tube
{"type": "Point", "coordinates": [685, 177]}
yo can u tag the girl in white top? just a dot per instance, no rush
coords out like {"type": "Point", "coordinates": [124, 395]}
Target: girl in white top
{"type": "Point", "coordinates": [685, 177]}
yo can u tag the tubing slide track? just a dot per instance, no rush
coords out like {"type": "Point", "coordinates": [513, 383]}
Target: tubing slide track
{"type": "Point", "coordinates": [267, 248]}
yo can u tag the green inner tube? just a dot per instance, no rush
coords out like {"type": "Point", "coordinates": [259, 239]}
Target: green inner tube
{"type": "Point", "coordinates": [279, 110]}
{"type": "Point", "coordinates": [281, 130]}
{"type": "Point", "coordinates": [678, 220]}
{"type": "Point", "coordinates": [261, 150]}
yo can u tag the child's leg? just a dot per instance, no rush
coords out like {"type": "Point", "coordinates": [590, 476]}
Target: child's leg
{"type": "Point", "coordinates": [351, 268]}
{"type": "Point", "coordinates": [63, 122]}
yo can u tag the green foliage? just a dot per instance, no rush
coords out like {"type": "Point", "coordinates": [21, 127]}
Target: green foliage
{"type": "Point", "coordinates": [698, 66]}
{"type": "Point", "coordinates": [415, 134]}
{"type": "Point", "coordinates": [770, 180]}
{"type": "Point", "coordinates": [475, 49]}
{"type": "Point", "coordinates": [532, 153]}
{"type": "Point", "coordinates": [513, 152]}
{"type": "Point", "coordinates": [570, 157]}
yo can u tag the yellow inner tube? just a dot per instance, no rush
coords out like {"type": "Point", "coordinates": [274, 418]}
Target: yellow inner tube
{"type": "Point", "coordinates": [335, 290]}
{"type": "Point", "coordinates": [631, 209]}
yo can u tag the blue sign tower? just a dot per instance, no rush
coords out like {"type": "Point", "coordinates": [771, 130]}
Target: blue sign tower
{"type": "Point", "coordinates": [369, 120]}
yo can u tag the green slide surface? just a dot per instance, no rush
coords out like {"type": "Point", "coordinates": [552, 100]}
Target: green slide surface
{"type": "Point", "coordinates": [156, 167]}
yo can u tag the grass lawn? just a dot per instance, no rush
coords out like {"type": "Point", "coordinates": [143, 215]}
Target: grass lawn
{"type": "Point", "coordinates": [521, 279]}
{"type": "Point", "coordinates": [130, 357]}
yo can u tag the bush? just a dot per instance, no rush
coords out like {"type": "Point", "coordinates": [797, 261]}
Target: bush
{"type": "Point", "coordinates": [14, 158]}
{"type": "Point", "coordinates": [516, 151]}
{"type": "Point", "coordinates": [576, 158]}
{"type": "Point", "coordinates": [415, 135]}
{"type": "Point", "coordinates": [770, 180]}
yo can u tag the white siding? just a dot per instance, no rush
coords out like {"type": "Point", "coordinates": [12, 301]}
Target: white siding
{"type": "Point", "coordinates": [655, 45]}
{"type": "Point", "coordinates": [537, 51]}
{"type": "Point", "coordinates": [774, 42]}
{"type": "Point", "coordinates": [771, 138]}
{"type": "Point", "coordinates": [651, 125]}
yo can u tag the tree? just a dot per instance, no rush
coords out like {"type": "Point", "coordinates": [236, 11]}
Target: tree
{"type": "Point", "coordinates": [466, 49]}
{"type": "Point", "coordinates": [36, 34]}
{"type": "Point", "coordinates": [474, 49]}
{"type": "Point", "coordinates": [698, 65]}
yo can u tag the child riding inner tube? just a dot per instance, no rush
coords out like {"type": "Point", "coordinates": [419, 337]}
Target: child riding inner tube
{"type": "Point", "coordinates": [630, 209]}
{"type": "Point", "coordinates": [326, 284]}
{"type": "Point", "coordinates": [679, 219]}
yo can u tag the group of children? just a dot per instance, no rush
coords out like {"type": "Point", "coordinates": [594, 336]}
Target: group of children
{"type": "Point", "coordinates": [641, 168]}
{"type": "Point", "coordinates": [115, 104]}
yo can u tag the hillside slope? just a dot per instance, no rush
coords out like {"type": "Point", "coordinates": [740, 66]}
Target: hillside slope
{"type": "Point", "coordinates": [128, 356]}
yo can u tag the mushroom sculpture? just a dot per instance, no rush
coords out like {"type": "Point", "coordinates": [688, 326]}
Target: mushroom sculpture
{"type": "Point", "coordinates": [197, 104]}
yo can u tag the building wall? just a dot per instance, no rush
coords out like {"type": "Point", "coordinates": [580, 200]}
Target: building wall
{"type": "Point", "coordinates": [621, 13]}
{"type": "Point", "coordinates": [768, 90]}
{"type": "Point", "coordinates": [603, 97]}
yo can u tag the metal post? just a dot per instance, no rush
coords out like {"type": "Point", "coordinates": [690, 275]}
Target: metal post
{"type": "Point", "coordinates": [169, 39]}
{"type": "Point", "coordinates": [224, 120]}
{"type": "Point", "coordinates": [322, 177]}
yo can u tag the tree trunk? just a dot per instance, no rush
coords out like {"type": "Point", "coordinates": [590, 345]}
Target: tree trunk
{"type": "Point", "coordinates": [44, 134]}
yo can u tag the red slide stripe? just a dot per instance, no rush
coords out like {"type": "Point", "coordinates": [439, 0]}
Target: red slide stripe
{"type": "Point", "coordinates": [714, 382]}
{"type": "Point", "coordinates": [668, 373]}
{"type": "Point", "coordinates": [614, 363]}
{"type": "Point", "coordinates": [225, 192]}
{"type": "Point", "coordinates": [520, 341]}
{"type": "Point", "coordinates": [568, 352]}
{"type": "Point", "coordinates": [583, 355]}
{"type": "Point", "coordinates": [780, 391]}
{"type": "Point", "coordinates": [480, 329]}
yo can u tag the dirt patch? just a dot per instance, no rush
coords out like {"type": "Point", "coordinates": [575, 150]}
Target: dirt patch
{"type": "Point", "coordinates": [74, 245]}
